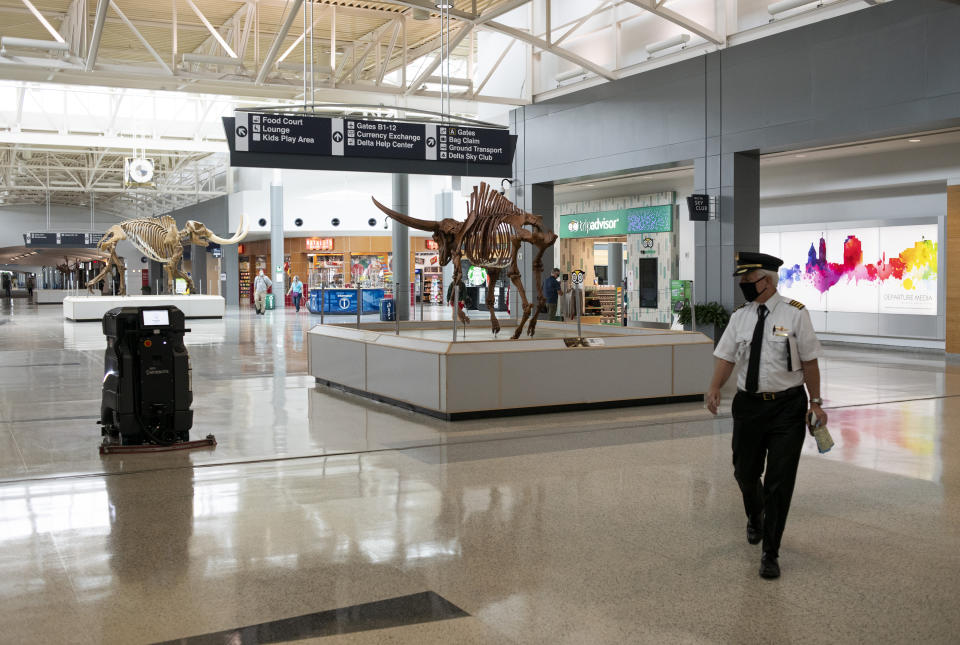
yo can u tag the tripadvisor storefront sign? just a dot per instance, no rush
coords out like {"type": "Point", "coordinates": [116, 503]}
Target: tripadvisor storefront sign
{"type": "Point", "coordinates": [643, 219]}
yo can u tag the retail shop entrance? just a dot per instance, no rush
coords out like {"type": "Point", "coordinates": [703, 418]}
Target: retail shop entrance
{"type": "Point", "coordinates": [625, 232]}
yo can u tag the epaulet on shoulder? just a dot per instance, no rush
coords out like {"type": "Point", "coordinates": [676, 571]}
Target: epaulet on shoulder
{"type": "Point", "coordinates": [739, 308]}
{"type": "Point", "coordinates": [798, 305]}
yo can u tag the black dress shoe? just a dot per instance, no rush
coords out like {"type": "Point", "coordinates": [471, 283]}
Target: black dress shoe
{"type": "Point", "coordinates": [754, 532]}
{"type": "Point", "coordinates": [769, 568]}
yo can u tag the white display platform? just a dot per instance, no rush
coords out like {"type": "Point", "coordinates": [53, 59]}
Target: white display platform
{"type": "Point", "coordinates": [422, 369]}
{"type": "Point", "coordinates": [84, 308]}
{"type": "Point", "coordinates": [86, 337]}
{"type": "Point", "coordinates": [56, 296]}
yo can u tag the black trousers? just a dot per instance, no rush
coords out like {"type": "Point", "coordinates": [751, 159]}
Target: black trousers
{"type": "Point", "coordinates": [771, 431]}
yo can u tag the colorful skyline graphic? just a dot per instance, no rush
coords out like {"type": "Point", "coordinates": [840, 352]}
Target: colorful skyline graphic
{"type": "Point", "coordinates": [913, 264]}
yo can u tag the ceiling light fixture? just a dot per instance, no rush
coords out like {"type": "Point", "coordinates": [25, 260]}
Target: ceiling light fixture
{"type": "Point", "coordinates": [570, 73]}
{"type": "Point", "coordinates": [32, 43]}
{"type": "Point", "coordinates": [786, 5]}
{"type": "Point", "coordinates": [914, 140]}
{"type": "Point", "coordinates": [204, 59]}
{"type": "Point", "coordinates": [659, 46]}
{"type": "Point", "coordinates": [444, 5]}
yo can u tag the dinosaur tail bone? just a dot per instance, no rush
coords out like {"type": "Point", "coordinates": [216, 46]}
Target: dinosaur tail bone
{"type": "Point", "coordinates": [412, 222]}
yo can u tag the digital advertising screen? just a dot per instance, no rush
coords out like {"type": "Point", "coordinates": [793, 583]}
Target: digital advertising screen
{"type": "Point", "coordinates": [889, 270]}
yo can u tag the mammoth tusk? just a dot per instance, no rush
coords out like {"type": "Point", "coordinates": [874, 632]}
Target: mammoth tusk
{"type": "Point", "coordinates": [240, 234]}
{"type": "Point", "coordinates": [412, 222]}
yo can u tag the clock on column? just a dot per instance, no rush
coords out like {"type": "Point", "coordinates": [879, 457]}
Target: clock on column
{"type": "Point", "coordinates": [138, 171]}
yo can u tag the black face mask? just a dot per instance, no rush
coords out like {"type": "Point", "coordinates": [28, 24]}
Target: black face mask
{"type": "Point", "coordinates": [749, 290]}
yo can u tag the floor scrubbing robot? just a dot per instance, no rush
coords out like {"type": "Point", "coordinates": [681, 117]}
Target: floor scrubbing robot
{"type": "Point", "coordinates": [147, 382]}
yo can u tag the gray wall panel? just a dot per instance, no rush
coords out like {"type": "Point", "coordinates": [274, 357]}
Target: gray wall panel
{"type": "Point", "coordinates": [905, 326]}
{"type": "Point", "coordinates": [883, 71]}
{"type": "Point", "coordinates": [841, 322]}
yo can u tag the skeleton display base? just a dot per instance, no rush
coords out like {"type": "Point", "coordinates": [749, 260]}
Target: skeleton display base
{"type": "Point", "coordinates": [423, 370]}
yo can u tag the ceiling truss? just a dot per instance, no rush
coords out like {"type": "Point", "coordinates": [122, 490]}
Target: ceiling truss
{"type": "Point", "coordinates": [256, 48]}
{"type": "Point", "coordinates": [74, 177]}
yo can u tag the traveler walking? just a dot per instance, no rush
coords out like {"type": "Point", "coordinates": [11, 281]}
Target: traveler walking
{"type": "Point", "coordinates": [260, 286]}
{"type": "Point", "coordinates": [296, 288]}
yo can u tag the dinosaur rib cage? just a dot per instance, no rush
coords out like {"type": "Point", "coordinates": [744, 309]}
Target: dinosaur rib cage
{"type": "Point", "coordinates": [488, 244]}
{"type": "Point", "coordinates": [489, 240]}
{"type": "Point", "coordinates": [149, 235]}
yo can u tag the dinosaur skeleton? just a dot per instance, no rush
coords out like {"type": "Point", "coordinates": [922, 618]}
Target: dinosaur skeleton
{"type": "Point", "coordinates": [159, 239]}
{"type": "Point", "coordinates": [490, 237]}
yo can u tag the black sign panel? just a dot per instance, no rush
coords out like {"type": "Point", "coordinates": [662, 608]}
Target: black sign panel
{"type": "Point", "coordinates": [386, 139]}
{"type": "Point", "coordinates": [699, 208]}
{"type": "Point", "coordinates": [74, 239]}
{"type": "Point", "coordinates": [44, 240]}
{"type": "Point", "coordinates": [61, 240]}
{"type": "Point", "coordinates": [475, 145]}
{"type": "Point", "coordinates": [285, 133]}
{"type": "Point", "coordinates": [263, 140]}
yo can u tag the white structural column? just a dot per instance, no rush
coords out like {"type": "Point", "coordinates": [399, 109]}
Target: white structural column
{"type": "Point", "coordinates": [275, 270]}
{"type": "Point", "coordinates": [614, 263]}
{"type": "Point", "coordinates": [401, 245]}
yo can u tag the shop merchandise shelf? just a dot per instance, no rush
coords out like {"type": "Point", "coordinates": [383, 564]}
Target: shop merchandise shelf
{"type": "Point", "coordinates": [603, 304]}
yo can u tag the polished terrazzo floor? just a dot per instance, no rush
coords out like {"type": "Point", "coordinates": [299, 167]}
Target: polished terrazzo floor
{"type": "Point", "coordinates": [620, 526]}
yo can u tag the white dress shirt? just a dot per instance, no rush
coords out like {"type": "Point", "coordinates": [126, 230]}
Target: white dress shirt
{"type": "Point", "coordinates": [787, 329]}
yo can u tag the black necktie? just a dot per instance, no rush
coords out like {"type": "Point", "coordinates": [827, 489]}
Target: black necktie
{"type": "Point", "coordinates": [753, 369]}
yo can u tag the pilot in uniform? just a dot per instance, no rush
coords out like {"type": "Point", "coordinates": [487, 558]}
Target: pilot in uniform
{"type": "Point", "coordinates": [771, 342]}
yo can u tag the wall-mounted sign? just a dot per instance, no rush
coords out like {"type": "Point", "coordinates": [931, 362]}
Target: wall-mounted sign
{"type": "Point", "coordinates": [62, 240]}
{"type": "Point", "coordinates": [431, 245]}
{"type": "Point", "coordinates": [338, 137]}
{"type": "Point", "coordinates": [319, 243]}
{"type": "Point", "coordinates": [700, 208]}
{"type": "Point", "coordinates": [643, 219]}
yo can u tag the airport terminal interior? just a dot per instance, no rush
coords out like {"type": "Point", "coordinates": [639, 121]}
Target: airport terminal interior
{"type": "Point", "coordinates": [243, 402]}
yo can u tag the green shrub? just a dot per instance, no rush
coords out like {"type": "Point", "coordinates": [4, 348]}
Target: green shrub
{"type": "Point", "coordinates": [711, 313]}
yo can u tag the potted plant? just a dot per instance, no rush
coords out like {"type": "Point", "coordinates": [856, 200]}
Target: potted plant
{"type": "Point", "coordinates": [712, 319]}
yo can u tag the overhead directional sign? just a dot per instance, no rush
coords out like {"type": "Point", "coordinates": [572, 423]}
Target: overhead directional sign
{"type": "Point", "coordinates": [289, 133]}
{"type": "Point", "coordinates": [62, 240]}
{"type": "Point", "coordinates": [384, 139]}
{"type": "Point", "coordinates": [264, 139]}
{"type": "Point", "coordinates": [476, 145]}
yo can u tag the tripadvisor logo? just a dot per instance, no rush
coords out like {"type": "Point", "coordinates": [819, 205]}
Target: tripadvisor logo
{"type": "Point", "coordinates": [597, 224]}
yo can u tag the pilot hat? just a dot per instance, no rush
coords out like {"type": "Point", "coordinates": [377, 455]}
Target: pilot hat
{"type": "Point", "coordinates": [748, 261]}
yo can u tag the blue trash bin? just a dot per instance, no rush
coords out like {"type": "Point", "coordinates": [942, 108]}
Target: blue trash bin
{"type": "Point", "coordinates": [388, 310]}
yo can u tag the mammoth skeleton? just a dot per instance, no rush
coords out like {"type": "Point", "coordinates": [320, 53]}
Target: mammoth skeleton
{"type": "Point", "coordinates": [159, 239]}
{"type": "Point", "coordinates": [490, 237]}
